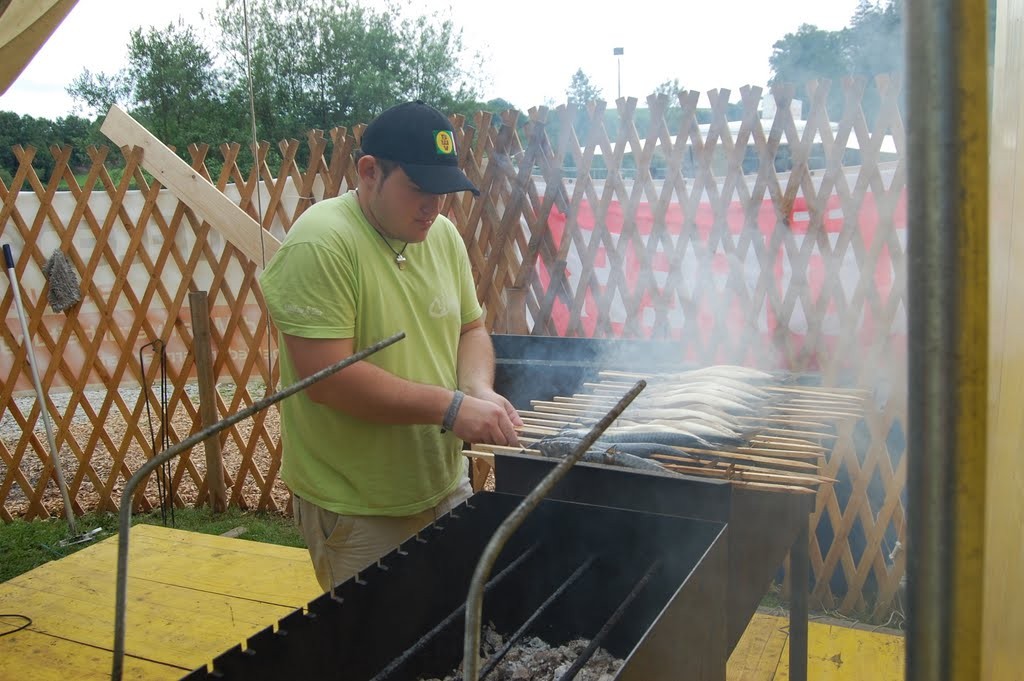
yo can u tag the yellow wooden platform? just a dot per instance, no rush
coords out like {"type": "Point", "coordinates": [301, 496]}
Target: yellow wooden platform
{"type": "Point", "coordinates": [192, 596]}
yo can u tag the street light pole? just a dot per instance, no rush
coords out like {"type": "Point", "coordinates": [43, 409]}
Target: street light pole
{"type": "Point", "coordinates": [618, 53]}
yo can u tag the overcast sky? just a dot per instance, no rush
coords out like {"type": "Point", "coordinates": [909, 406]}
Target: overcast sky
{"type": "Point", "coordinates": [532, 47]}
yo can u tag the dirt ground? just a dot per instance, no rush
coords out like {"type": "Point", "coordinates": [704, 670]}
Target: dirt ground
{"type": "Point", "coordinates": [86, 488]}
{"type": "Point", "coordinates": [100, 489]}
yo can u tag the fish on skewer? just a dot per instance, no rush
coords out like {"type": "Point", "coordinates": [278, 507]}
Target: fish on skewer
{"type": "Point", "coordinates": [562, 446]}
{"type": "Point", "coordinates": [727, 385]}
{"type": "Point", "coordinates": [697, 422]}
{"type": "Point", "coordinates": [653, 434]}
{"type": "Point", "coordinates": [726, 370]}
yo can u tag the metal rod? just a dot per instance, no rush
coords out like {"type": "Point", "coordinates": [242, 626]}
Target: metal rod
{"type": "Point", "coordinates": [30, 354]}
{"type": "Point", "coordinates": [440, 626]}
{"type": "Point", "coordinates": [183, 446]}
{"type": "Point", "coordinates": [500, 654]}
{"type": "Point", "coordinates": [602, 634]}
{"type": "Point", "coordinates": [947, 307]}
{"type": "Point", "coordinates": [799, 564]}
{"type": "Point", "coordinates": [474, 602]}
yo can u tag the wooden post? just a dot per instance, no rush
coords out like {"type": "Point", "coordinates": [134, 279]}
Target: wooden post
{"type": "Point", "coordinates": [515, 311]}
{"type": "Point", "coordinates": [199, 307]}
{"type": "Point", "coordinates": [1002, 631]}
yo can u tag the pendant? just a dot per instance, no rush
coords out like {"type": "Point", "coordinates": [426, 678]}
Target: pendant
{"type": "Point", "coordinates": [400, 261]}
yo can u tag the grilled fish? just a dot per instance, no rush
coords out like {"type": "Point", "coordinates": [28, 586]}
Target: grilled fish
{"type": "Point", "coordinates": [561, 447]}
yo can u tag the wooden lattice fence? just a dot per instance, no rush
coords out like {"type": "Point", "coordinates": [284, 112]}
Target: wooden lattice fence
{"type": "Point", "coordinates": [757, 242]}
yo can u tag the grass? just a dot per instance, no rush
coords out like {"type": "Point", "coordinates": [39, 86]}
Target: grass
{"type": "Point", "coordinates": [27, 545]}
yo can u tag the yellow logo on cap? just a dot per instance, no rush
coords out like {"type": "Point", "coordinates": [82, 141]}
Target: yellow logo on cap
{"type": "Point", "coordinates": [444, 142]}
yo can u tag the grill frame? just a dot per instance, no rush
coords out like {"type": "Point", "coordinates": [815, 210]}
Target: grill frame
{"type": "Point", "coordinates": [764, 527]}
{"type": "Point", "coordinates": [695, 630]}
{"type": "Point", "coordinates": [365, 613]}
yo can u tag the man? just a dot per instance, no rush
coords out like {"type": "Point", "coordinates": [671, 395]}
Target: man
{"type": "Point", "coordinates": [372, 453]}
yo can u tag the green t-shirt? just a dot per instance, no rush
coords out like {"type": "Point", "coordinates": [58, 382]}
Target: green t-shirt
{"type": "Point", "coordinates": [334, 277]}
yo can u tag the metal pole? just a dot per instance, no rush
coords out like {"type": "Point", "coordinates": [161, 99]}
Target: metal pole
{"type": "Point", "coordinates": [183, 446]}
{"type": "Point", "coordinates": [947, 288]}
{"type": "Point", "coordinates": [474, 601]}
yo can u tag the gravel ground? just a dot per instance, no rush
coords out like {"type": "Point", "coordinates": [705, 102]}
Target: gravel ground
{"type": "Point", "coordinates": [104, 439]}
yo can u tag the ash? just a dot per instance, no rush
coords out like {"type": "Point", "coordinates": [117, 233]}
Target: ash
{"type": "Point", "coordinates": [535, 660]}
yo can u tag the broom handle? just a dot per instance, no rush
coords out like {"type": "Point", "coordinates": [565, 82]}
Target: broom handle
{"type": "Point", "coordinates": [26, 341]}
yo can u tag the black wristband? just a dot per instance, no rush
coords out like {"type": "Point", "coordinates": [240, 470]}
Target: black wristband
{"type": "Point", "coordinates": [453, 412]}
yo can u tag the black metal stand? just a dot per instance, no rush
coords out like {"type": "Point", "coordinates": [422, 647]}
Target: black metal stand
{"type": "Point", "coordinates": [799, 561]}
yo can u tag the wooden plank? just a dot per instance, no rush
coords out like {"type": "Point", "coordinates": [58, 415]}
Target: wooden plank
{"type": "Point", "coordinates": [168, 624]}
{"type": "Point", "coordinates": [32, 655]}
{"type": "Point", "coordinates": [190, 596]}
{"type": "Point", "coordinates": [191, 188]}
{"type": "Point", "coordinates": [759, 651]}
{"type": "Point", "coordinates": [837, 653]}
{"type": "Point", "coordinates": [1003, 623]}
{"type": "Point", "coordinates": [290, 583]}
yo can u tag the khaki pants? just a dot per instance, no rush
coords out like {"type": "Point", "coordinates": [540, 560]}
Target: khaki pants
{"type": "Point", "coordinates": [342, 545]}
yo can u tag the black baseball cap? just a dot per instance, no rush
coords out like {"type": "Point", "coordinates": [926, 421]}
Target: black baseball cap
{"type": "Point", "coordinates": [422, 141]}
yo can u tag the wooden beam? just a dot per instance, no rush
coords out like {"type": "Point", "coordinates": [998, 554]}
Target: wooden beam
{"type": "Point", "coordinates": [25, 26]}
{"type": "Point", "coordinates": [191, 188]}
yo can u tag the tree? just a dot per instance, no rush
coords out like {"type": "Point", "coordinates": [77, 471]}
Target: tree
{"type": "Point", "coordinates": [41, 133]}
{"type": "Point", "coordinates": [170, 83]}
{"type": "Point", "coordinates": [95, 93]}
{"type": "Point", "coordinates": [871, 45]}
{"type": "Point", "coordinates": [324, 64]}
{"type": "Point", "coordinates": [581, 90]}
{"type": "Point", "coordinates": [671, 89]}
{"type": "Point", "coordinates": [175, 85]}
{"type": "Point", "coordinates": [810, 54]}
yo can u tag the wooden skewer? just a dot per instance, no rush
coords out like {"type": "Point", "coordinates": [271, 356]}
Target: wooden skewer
{"type": "Point", "coordinates": [776, 420]}
{"type": "Point", "coordinates": [623, 374]}
{"type": "Point", "coordinates": [745, 475]}
{"type": "Point", "coordinates": [561, 408]}
{"type": "Point", "coordinates": [857, 394]}
{"type": "Point", "coordinates": [490, 449]}
{"type": "Point", "coordinates": [546, 422]}
{"type": "Point", "coordinates": [826, 401]}
{"type": "Point", "coordinates": [705, 464]}
{"type": "Point", "coordinates": [788, 441]}
{"type": "Point", "coordinates": [799, 417]}
{"type": "Point", "coordinates": [552, 419]}
{"type": "Point", "coordinates": [777, 449]}
{"type": "Point", "coordinates": [487, 451]}
{"type": "Point", "coordinates": [571, 417]}
{"type": "Point", "coordinates": [793, 489]}
{"type": "Point", "coordinates": [786, 432]}
{"type": "Point", "coordinates": [788, 453]}
{"type": "Point", "coordinates": [796, 462]}
{"type": "Point", "coordinates": [699, 453]}
{"type": "Point", "coordinates": [611, 388]}
{"type": "Point", "coordinates": [736, 477]}
{"type": "Point", "coordinates": [550, 416]}
{"type": "Point", "coordinates": [799, 411]}
{"type": "Point", "coordinates": [808, 447]}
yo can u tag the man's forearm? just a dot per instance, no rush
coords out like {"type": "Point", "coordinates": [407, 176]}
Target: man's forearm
{"type": "Point", "coordinates": [476, 361]}
{"type": "Point", "coordinates": [372, 394]}
{"type": "Point", "coordinates": [364, 390]}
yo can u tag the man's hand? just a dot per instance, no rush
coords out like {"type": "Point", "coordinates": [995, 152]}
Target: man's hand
{"type": "Point", "coordinates": [487, 418]}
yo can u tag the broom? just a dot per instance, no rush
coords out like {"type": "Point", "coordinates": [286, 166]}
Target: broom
{"type": "Point", "coordinates": [26, 341]}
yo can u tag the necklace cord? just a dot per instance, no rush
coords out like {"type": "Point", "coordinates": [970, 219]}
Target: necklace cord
{"type": "Point", "coordinates": [399, 257]}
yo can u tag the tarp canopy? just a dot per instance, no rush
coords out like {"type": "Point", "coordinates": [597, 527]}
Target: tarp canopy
{"type": "Point", "coordinates": [25, 25]}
